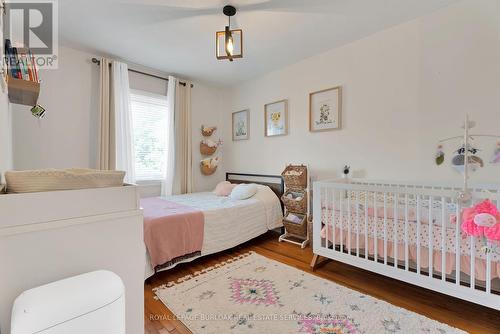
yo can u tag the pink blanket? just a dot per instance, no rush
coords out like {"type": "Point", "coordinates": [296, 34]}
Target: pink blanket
{"type": "Point", "coordinates": [172, 231]}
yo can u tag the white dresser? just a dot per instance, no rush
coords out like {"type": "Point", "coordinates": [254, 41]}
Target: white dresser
{"type": "Point", "coordinates": [49, 236]}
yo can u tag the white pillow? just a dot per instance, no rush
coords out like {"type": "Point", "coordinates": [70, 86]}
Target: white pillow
{"type": "Point", "coordinates": [243, 191]}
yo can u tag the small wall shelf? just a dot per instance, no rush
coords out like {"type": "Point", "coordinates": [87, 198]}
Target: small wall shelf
{"type": "Point", "coordinates": [23, 92]}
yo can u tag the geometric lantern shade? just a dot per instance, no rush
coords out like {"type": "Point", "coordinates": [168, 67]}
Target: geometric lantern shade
{"type": "Point", "coordinates": [229, 44]}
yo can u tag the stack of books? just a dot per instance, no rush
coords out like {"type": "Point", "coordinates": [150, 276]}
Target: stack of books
{"type": "Point", "coordinates": [20, 63]}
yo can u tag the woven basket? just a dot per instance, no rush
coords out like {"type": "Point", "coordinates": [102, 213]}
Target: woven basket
{"type": "Point", "coordinates": [295, 181]}
{"type": "Point", "coordinates": [299, 230]}
{"type": "Point", "coordinates": [293, 205]}
{"type": "Point", "coordinates": [207, 170]}
{"type": "Point", "coordinates": [61, 179]}
{"type": "Point", "coordinates": [207, 150]}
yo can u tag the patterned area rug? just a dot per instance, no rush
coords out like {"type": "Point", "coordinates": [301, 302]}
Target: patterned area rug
{"type": "Point", "coordinates": [253, 294]}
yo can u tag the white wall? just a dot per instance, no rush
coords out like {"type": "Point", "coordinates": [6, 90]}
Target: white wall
{"type": "Point", "coordinates": [208, 103]}
{"type": "Point", "coordinates": [67, 136]}
{"type": "Point", "coordinates": [403, 90]}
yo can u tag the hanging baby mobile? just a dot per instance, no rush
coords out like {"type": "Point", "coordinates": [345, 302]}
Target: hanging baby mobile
{"type": "Point", "coordinates": [465, 159]}
{"type": "Point", "coordinates": [481, 220]}
{"type": "Point", "coordinates": [496, 155]}
{"type": "Point", "coordinates": [439, 155]}
{"type": "Point", "coordinates": [475, 162]}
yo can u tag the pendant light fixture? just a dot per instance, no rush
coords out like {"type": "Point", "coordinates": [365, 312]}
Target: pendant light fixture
{"type": "Point", "coordinates": [229, 43]}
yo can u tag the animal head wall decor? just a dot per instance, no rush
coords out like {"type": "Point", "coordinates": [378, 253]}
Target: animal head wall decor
{"type": "Point", "coordinates": [207, 131]}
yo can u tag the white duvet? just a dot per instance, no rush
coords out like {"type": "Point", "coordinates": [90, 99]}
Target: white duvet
{"type": "Point", "coordinates": [229, 222]}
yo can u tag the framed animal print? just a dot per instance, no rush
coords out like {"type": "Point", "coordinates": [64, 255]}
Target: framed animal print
{"type": "Point", "coordinates": [241, 125]}
{"type": "Point", "coordinates": [276, 118]}
{"type": "Point", "coordinates": [325, 110]}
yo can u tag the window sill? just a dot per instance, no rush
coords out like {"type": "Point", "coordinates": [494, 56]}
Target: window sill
{"type": "Point", "coordinates": [149, 183]}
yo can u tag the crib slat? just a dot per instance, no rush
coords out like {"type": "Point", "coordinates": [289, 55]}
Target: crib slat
{"type": "Point", "coordinates": [418, 233]}
{"type": "Point", "coordinates": [334, 222]}
{"type": "Point", "coordinates": [395, 224]}
{"type": "Point", "coordinates": [457, 246]}
{"type": "Point", "coordinates": [472, 263]}
{"type": "Point", "coordinates": [443, 239]}
{"type": "Point", "coordinates": [407, 265]}
{"type": "Point", "coordinates": [357, 223]}
{"type": "Point", "coordinates": [366, 225]}
{"type": "Point", "coordinates": [488, 271]}
{"type": "Point", "coordinates": [385, 228]}
{"type": "Point", "coordinates": [375, 223]}
{"type": "Point", "coordinates": [323, 203]}
{"type": "Point", "coordinates": [328, 191]}
{"type": "Point", "coordinates": [430, 228]}
{"type": "Point", "coordinates": [341, 220]}
{"type": "Point", "coordinates": [349, 222]}
{"type": "Point", "coordinates": [488, 254]}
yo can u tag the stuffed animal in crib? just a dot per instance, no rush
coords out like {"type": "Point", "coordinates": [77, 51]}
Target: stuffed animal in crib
{"type": "Point", "coordinates": [482, 220]}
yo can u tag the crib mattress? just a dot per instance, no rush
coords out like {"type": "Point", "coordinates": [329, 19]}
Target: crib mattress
{"type": "Point", "coordinates": [395, 230]}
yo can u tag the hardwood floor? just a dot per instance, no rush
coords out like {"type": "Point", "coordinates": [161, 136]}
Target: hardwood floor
{"type": "Point", "coordinates": [464, 315]}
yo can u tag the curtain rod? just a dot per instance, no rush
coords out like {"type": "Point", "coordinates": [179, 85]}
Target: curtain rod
{"type": "Point", "coordinates": [98, 62]}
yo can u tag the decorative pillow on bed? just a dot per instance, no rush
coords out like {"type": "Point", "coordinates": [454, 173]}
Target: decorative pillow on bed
{"type": "Point", "coordinates": [243, 191]}
{"type": "Point", "coordinates": [224, 188]}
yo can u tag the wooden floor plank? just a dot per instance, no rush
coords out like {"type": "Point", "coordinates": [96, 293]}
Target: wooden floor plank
{"type": "Point", "coordinates": [458, 313]}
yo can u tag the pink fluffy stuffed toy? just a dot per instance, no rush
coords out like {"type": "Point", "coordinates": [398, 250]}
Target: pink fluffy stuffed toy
{"type": "Point", "coordinates": [482, 220]}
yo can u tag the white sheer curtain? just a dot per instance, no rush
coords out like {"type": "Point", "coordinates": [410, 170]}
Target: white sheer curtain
{"type": "Point", "coordinates": [124, 139]}
{"type": "Point", "coordinates": [178, 178]}
{"type": "Point", "coordinates": [167, 184]}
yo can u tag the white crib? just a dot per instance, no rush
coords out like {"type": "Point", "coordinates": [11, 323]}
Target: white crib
{"type": "Point", "coordinates": [409, 232]}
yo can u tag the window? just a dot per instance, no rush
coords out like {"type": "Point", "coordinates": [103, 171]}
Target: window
{"type": "Point", "coordinates": [150, 124]}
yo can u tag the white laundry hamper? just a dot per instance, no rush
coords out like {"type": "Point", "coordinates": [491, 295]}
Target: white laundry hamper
{"type": "Point", "coordinates": [90, 303]}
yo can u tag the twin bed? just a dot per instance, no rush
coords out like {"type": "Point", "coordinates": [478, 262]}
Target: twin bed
{"type": "Point", "coordinates": [184, 227]}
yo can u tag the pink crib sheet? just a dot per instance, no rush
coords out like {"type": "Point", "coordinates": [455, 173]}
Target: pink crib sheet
{"type": "Point", "coordinates": [376, 239]}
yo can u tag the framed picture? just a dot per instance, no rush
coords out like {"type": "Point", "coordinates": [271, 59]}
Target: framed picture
{"type": "Point", "coordinates": [241, 125]}
{"type": "Point", "coordinates": [325, 109]}
{"type": "Point", "coordinates": [276, 118]}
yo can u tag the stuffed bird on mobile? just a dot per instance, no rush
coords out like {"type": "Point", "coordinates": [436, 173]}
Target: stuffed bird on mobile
{"type": "Point", "coordinates": [496, 155]}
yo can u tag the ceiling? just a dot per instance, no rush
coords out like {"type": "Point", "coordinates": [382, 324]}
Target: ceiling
{"type": "Point", "coordinates": [178, 36]}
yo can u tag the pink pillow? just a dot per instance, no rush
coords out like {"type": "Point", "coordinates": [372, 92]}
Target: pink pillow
{"type": "Point", "coordinates": [224, 188]}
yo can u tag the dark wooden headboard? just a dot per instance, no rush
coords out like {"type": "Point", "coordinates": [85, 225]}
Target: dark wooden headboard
{"type": "Point", "coordinates": [275, 182]}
